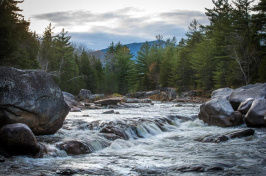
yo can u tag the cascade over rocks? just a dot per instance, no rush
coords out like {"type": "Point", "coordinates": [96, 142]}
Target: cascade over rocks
{"type": "Point", "coordinates": [74, 147]}
{"type": "Point", "coordinates": [18, 139]}
{"type": "Point", "coordinates": [228, 107]}
{"type": "Point", "coordinates": [31, 97]}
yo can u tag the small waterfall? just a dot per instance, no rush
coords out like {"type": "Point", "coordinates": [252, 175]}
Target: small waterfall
{"type": "Point", "coordinates": [96, 145]}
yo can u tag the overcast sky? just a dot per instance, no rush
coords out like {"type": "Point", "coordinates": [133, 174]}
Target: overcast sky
{"type": "Point", "coordinates": [96, 23]}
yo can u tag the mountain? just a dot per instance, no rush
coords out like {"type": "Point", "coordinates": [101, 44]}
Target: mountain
{"type": "Point", "coordinates": [134, 48]}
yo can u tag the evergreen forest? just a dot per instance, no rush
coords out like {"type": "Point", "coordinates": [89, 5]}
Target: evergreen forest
{"type": "Point", "coordinates": [229, 52]}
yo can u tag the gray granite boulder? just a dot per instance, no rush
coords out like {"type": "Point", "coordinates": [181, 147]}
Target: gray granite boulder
{"type": "Point", "coordinates": [222, 93]}
{"type": "Point", "coordinates": [70, 99]}
{"type": "Point", "coordinates": [31, 97]}
{"type": "Point", "coordinates": [256, 113]}
{"type": "Point", "coordinates": [219, 112]}
{"type": "Point", "coordinates": [256, 91]}
{"type": "Point", "coordinates": [84, 94]}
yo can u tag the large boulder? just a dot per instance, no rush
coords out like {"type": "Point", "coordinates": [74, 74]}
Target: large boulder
{"type": "Point", "coordinates": [222, 93]}
{"type": "Point", "coordinates": [219, 112]}
{"type": "Point", "coordinates": [84, 94]}
{"type": "Point", "coordinates": [170, 93]}
{"type": "Point", "coordinates": [31, 97]}
{"type": "Point", "coordinates": [18, 139]}
{"type": "Point", "coordinates": [255, 91]}
{"type": "Point", "coordinates": [256, 113]}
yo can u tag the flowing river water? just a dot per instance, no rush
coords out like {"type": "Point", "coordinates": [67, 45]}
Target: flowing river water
{"type": "Point", "coordinates": [157, 139]}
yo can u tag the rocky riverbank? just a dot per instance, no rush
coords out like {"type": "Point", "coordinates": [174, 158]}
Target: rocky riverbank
{"type": "Point", "coordinates": [115, 136]}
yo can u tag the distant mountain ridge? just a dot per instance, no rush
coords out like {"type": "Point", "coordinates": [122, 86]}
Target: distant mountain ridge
{"type": "Point", "coordinates": [134, 48]}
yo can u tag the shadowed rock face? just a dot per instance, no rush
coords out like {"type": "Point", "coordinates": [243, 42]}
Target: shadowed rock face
{"type": "Point", "coordinates": [31, 97]}
{"type": "Point", "coordinates": [256, 113]}
{"type": "Point", "coordinates": [19, 139]}
{"type": "Point", "coordinates": [218, 111]}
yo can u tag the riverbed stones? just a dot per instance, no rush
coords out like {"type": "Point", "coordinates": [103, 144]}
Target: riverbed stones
{"type": "Point", "coordinates": [31, 97]}
{"type": "Point", "coordinates": [219, 112]}
{"type": "Point", "coordinates": [18, 139]}
{"type": "Point", "coordinates": [256, 114]}
{"type": "Point", "coordinates": [84, 94]}
{"type": "Point", "coordinates": [108, 101]}
{"type": "Point", "coordinates": [256, 91]}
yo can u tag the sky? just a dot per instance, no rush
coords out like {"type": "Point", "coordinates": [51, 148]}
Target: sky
{"type": "Point", "coordinates": [96, 23]}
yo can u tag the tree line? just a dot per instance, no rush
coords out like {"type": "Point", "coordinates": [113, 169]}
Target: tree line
{"type": "Point", "coordinates": [229, 52]}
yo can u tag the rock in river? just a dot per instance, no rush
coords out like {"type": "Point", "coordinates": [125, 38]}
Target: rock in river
{"type": "Point", "coordinates": [108, 101]}
{"type": "Point", "coordinates": [31, 97]}
{"type": "Point", "coordinates": [226, 136]}
{"type": "Point", "coordinates": [74, 147]}
{"type": "Point", "coordinates": [255, 91]}
{"type": "Point", "coordinates": [256, 113]}
{"type": "Point", "coordinates": [219, 112]}
{"type": "Point", "coordinates": [84, 94]}
{"type": "Point", "coordinates": [18, 139]}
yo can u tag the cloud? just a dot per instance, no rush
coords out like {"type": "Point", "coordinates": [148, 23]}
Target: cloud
{"type": "Point", "coordinates": [124, 25]}
{"type": "Point", "coordinates": [82, 17]}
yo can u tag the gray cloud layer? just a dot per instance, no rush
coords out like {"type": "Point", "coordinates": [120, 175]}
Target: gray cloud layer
{"type": "Point", "coordinates": [128, 29]}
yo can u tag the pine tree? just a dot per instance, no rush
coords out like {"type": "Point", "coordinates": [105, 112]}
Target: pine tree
{"type": "Point", "coordinates": [18, 45]}
{"type": "Point", "coordinates": [142, 67]}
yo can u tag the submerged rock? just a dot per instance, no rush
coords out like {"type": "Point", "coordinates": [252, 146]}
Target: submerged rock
{"type": "Point", "coordinates": [109, 112]}
{"type": "Point", "coordinates": [74, 147]}
{"type": "Point", "coordinates": [256, 113]}
{"type": "Point", "coordinates": [219, 112]}
{"type": "Point", "coordinates": [18, 139]}
{"type": "Point", "coordinates": [256, 91]}
{"type": "Point", "coordinates": [31, 97]}
{"type": "Point", "coordinates": [115, 130]}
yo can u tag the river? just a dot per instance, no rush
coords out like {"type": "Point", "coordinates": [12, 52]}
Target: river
{"type": "Point", "coordinates": [158, 139]}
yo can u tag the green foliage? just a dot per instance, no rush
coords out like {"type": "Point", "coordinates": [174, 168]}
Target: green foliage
{"type": "Point", "coordinates": [229, 52]}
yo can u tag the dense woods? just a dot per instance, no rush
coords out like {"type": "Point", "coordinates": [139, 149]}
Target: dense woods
{"type": "Point", "coordinates": [229, 52]}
